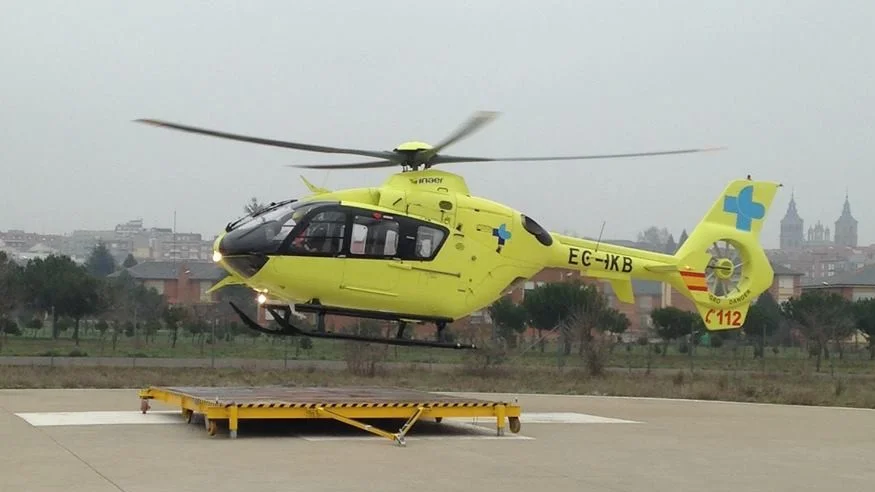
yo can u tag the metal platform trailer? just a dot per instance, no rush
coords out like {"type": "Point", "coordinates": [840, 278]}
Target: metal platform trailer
{"type": "Point", "coordinates": [347, 405]}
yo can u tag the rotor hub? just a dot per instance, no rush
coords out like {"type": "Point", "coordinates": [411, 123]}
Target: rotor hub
{"type": "Point", "coordinates": [724, 268]}
{"type": "Point", "coordinates": [413, 146]}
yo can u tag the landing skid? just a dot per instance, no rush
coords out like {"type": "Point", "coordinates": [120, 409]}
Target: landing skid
{"type": "Point", "coordinates": [282, 315]}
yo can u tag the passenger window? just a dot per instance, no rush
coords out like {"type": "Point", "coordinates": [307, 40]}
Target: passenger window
{"type": "Point", "coordinates": [323, 235]}
{"type": "Point", "coordinates": [427, 241]}
{"type": "Point", "coordinates": [373, 236]}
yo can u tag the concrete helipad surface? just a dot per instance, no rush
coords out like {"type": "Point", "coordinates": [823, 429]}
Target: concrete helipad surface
{"type": "Point", "coordinates": [96, 440]}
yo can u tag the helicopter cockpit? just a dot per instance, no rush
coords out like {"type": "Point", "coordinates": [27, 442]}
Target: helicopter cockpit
{"type": "Point", "coordinates": [265, 231]}
{"type": "Point", "coordinates": [328, 228]}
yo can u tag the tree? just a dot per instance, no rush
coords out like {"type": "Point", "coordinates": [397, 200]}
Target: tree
{"type": "Point", "coordinates": [762, 321]}
{"type": "Point", "coordinates": [126, 300]}
{"type": "Point", "coordinates": [821, 317]}
{"type": "Point", "coordinates": [85, 300]}
{"type": "Point", "coordinates": [614, 321]}
{"type": "Point", "coordinates": [11, 293]}
{"type": "Point", "coordinates": [654, 236]}
{"type": "Point", "coordinates": [129, 261]}
{"type": "Point", "coordinates": [670, 246]}
{"type": "Point", "coordinates": [588, 315]}
{"type": "Point", "coordinates": [683, 238]}
{"type": "Point", "coordinates": [864, 315]}
{"type": "Point", "coordinates": [172, 317]}
{"type": "Point", "coordinates": [509, 318]}
{"type": "Point", "coordinates": [672, 323]}
{"type": "Point", "coordinates": [100, 263]}
{"type": "Point", "coordinates": [550, 306]}
{"type": "Point", "coordinates": [253, 206]}
{"type": "Point", "coordinates": [59, 286]}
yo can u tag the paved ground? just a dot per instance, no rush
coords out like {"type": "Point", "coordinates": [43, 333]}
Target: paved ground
{"type": "Point", "coordinates": [653, 445]}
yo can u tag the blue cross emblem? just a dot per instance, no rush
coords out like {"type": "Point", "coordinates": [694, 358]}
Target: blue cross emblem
{"type": "Point", "coordinates": [744, 208]}
{"type": "Point", "coordinates": [502, 234]}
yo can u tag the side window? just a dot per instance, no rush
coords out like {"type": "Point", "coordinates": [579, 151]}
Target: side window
{"type": "Point", "coordinates": [323, 234]}
{"type": "Point", "coordinates": [427, 241]}
{"type": "Point", "coordinates": [374, 236]}
{"type": "Point", "coordinates": [536, 230]}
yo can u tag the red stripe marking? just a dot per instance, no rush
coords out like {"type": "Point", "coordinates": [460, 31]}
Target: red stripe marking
{"type": "Point", "coordinates": [693, 274]}
{"type": "Point", "coordinates": [697, 287]}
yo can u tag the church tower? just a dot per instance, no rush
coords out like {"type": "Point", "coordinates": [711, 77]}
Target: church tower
{"type": "Point", "coordinates": [791, 227]}
{"type": "Point", "coordinates": [846, 227]}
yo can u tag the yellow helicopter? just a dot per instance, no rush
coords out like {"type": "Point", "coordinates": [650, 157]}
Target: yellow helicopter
{"type": "Point", "coordinates": [420, 248]}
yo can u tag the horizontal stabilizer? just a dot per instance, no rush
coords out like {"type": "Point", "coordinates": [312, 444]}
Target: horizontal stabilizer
{"type": "Point", "coordinates": [623, 290]}
{"type": "Point", "coordinates": [661, 268]}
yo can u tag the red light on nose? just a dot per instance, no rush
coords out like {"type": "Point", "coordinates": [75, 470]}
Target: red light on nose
{"type": "Point", "coordinates": [377, 215]}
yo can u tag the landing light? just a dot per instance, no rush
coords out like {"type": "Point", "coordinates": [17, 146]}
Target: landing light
{"type": "Point", "coordinates": [261, 298]}
{"type": "Point", "coordinates": [217, 257]}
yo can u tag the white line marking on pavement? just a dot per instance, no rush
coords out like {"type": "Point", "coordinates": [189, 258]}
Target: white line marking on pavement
{"type": "Point", "coordinates": [553, 418]}
{"type": "Point", "coordinates": [50, 419]}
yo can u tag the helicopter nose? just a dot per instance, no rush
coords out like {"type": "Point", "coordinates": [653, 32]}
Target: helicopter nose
{"type": "Point", "coordinates": [245, 265]}
{"type": "Point", "coordinates": [234, 255]}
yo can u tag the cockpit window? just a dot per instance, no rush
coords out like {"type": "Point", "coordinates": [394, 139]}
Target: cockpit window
{"type": "Point", "coordinates": [264, 231]}
{"type": "Point", "coordinates": [323, 234]}
{"type": "Point", "coordinates": [251, 217]}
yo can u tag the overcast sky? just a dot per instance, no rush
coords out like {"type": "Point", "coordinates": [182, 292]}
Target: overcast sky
{"type": "Point", "coordinates": [786, 86]}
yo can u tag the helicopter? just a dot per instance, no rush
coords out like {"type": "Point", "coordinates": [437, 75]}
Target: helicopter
{"type": "Point", "coordinates": [421, 248]}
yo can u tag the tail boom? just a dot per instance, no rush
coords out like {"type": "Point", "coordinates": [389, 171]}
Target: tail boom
{"type": "Point", "coordinates": [721, 280]}
{"type": "Point", "coordinates": [617, 264]}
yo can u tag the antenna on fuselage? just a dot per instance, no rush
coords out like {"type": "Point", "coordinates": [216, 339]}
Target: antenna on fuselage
{"type": "Point", "coordinates": [599, 240]}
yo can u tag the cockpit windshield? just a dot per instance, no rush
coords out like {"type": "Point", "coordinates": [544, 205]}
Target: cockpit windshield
{"type": "Point", "coordinates": [265, 230]}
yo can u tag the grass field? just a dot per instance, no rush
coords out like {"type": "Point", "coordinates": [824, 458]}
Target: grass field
{"type": "Point", "coordinates": [851, 391]}
{"type": "Point", "coordinates": [790, 360]}
{"type": "Point", "coordinates": [787, 375]}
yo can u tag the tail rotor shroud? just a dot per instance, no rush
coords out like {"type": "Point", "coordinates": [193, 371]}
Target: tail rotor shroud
{"type": "Point", "coordinates": [725, 272]}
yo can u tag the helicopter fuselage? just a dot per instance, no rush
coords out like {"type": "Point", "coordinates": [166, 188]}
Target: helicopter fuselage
{"type": "Point", "coordinates": [420, 245]}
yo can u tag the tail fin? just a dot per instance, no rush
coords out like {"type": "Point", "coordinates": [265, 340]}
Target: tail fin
{"type": "Point", "coordinates": [722, 266]}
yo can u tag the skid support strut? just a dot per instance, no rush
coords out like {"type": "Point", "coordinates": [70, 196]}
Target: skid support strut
{"type": "Point", "coordinates": [398, 437]}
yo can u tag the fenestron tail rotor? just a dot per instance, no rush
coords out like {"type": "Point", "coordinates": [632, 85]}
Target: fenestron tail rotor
{"type": "Point", "coordinates": [412, 155]}
{"type": "Point", "coordinates": [725, 270]}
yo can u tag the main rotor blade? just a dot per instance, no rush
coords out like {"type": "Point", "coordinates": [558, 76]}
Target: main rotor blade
{"type": "Point", "coordinates": [448, 159]}
{"type": "Point", "coordinates": [351, 165]}
{"type": "Point", "coordinates": [380, 154]}
{"type": "Point", "coordinates": [474, 123]}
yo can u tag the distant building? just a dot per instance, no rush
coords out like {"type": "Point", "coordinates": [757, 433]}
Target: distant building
{"type": "Point", "coordinates": [846, 227]}
{"type": "Point", "coordinates": [787, 283]}
{"type": "Point", "coordinates": [19, 240]}
{"type": "Point", "coordinates": [856, 285]}
{"type": "Point", "coordinates": [178, 282]}
{"type": "Point", "coordinates": [144, 244]}
{"type": "Point", "coordinates": [792, 235]}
